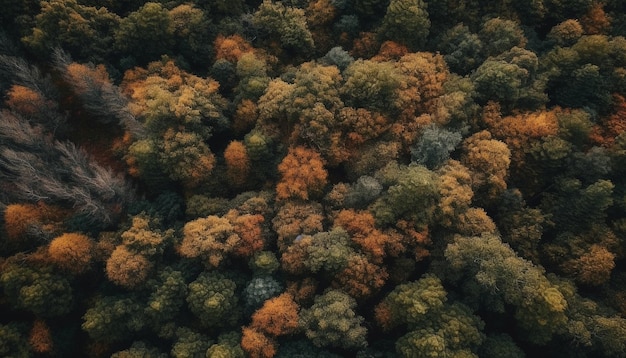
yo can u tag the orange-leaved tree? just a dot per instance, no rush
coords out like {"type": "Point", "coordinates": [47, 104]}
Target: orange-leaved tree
{"type": "Point", "coordinates": [277, 317]}
{"type": "Point", "coordinates": [40, 338]}
{"type": "Point", "coordinates": [237, 163]}
{"type": "Point", "coordinates": [71, 252]}
{"type": "Point", "coordinates": [302, 174]}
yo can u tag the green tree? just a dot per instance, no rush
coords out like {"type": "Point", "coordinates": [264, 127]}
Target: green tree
{"type": "Point", "coordinates": [500, 35]}
{"type": "Point", "coordinates": [332, 321]}
{"type": "Point", "coordinates": [285, 24]}
{"type": "Point", "coordinates": [434, 326]}
{"type": "Point", "coordinates": [212, 298]}
{"type": "Point", "coordinates": [371, 85]}
{"type": "Point", "coordinates": [113, 318]}
{"type": "Point", "coordinates": [406, 22]}
{"type": "Point", "coordinates": [39, 291]}
{"type": "Point", "coordinates": [167, 297]}
{"type": "Point", "coordinates": [462, 49]}
{"type": "Point", "coordinates": [85, 31]}
{"type": "Point", "coordinates": [414, 196]}
{"type": "Point", "coordinates": [496, 276]}
{"type": "Point", "coordinates": [145, 34]}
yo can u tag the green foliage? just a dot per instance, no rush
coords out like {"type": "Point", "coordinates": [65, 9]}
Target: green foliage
{"type": "Point", "coordinates": [227, 346]}
{"type": "Point", "coordinates": [434, 327]}
{"type": "Point", "coordinates": [406, 22]}
{"type": "Point", "coordinates": [332, 321]}
{"type": "Point", "coordinates": [578, 207]}
{"type": "Point", "coordinates": [212, 299]}
{"type": "Point", "coordinates": [190, 344]}
{"type": "Point", "coordinates": [113, 318]}
{"type": "Point", "coordinates": [285, 23]}
{"type": "Point", "coordinates": [145, 34]}
{"type": "Point", "coordinates": [449, 181]}
{"type": "Point", "coordinates": [511, 79]}
{"type": "Point", "coordinates": [500, 35]}
{"type": "Point", "coordinates": [39, 291]}
{"type": "Point", "coordinates": [12, 341]}
{"type": "Point", "coordinates": [167, 297]}
{"type": "Point", "coordinates": [365, 190]}
{"type": "Point", "coordinates": [462, 49]}
{"type": "Point", "coordinates": [84, 31]}
{"type": "Point", "coordinates": [328, 251]}
{"type": "Point", "coordinates": [139, 350]}
{"type": "Point", "coordinates": [413, 196]}
{"type": "Point", "coordinates": [412, 304]}
{"type": "Point", "coordinates": [264, 263]}
{"type": "Point", "coordinates": [370, 84]}
{"type": "Point", "coordinates": [501, 345]}
{"type": "Point", "coordinates": [498, 273]}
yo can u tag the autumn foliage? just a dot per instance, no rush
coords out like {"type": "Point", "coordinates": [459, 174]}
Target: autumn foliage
{"type": "Point", "coordinates": [312, 178]}
{"type": "Point", "coordinates": [71, 252]}
{"type": "Point", "coordinates": [302, 174]}
{"type": "Point", "coordinates": [237, 162]}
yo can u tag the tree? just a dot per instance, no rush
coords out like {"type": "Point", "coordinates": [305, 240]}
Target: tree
{"type": "Point", "coordinates": [211, 238]}
{"type": "Point", "coordinates": [37, 290]}
{"type": "Point", "coordinates": [488, 267]}
{"type": "Point", "coordinates": [113, 318]}
{"type": "Point", "coordinates": [211, 298]}
{"type": "Point", "coordinates": [370, 85]}
{"type": "Point", "coordinates": [146, 33]}
{"type": "Point", "coordinates": [361, 278]}
{"type": "Point", "coordinates": [139, 349]}
{"type": "Point", "coordinates": [332, 322]}
{"type": "Point", "coordinates": [40, 338]}
{"type": "Point", "coordinates": [285, 24]}
{"type": "Point", "coordinates": [98, 95]}
{"type": "Point", "coordinates": [328, 251]}
{"type": "Point", "coordinates": [413, 196]}
{"type": "Point", "coordinates": [186, 158]}
{"type": "Point", "coordinates": [94, 193]}
{"type": "Point", "coordinates": [488, 160]}
{"type": "Point", "coordinates": [372, 241]}
{"type": "Point", "coordinates": [455, 190]}
{"type": "Point", "coordinates": [302, 174]}
{"type": "Point", "coordinates": [260, 289]}
{"type": "Point", "coordinates": [144, 237]}
{"type": "Point", "coordinates": [294, 218]}
{"type": "Point", "coordinates": [434, 326]}
{"type": "Point", "coordinates": [592, 268]}
{"type": "Point", "coordinates": [566, 33]}
{"type": "Point", "coordinates": [462, 49]}
{"type": "Point", "coordinates": [127, 268]}
{"type": "Point", "coordinates": [277, 317]}
{"type": "Point", "coordinates": [406, 22]}
{"type": "Point", "coordinates": [12, 341]}
{"type": "Point", "coordinates": [500, 35]}
{"type": "Point", "coordinates": [85, 31]}
{"type": "Point", "coordinates": [434, 146]}
{"type": "Point", "coordinates": [71, 252]}
{"type": "Point", "coordinates": [256, 344]}
{"type": "Point", "coordinates": [190, 29]}
{"type": "Point", "coordinates": [167, 297]}
{"type": "Point", "coordinates": [251, 70]}
{"type": "Point", "coordinates": [250, 229]}
{"type": "Point", "coordinates": [190, 343]}
{"type": "Point", "coordinates": [231, 48]}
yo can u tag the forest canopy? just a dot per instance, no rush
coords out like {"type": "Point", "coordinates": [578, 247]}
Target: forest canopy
{"type": "Point", "coordinates": [312, 178]}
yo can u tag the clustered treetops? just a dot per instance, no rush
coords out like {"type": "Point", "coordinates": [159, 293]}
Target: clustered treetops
{"type": "Point", "coordinates": [313, 178]}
